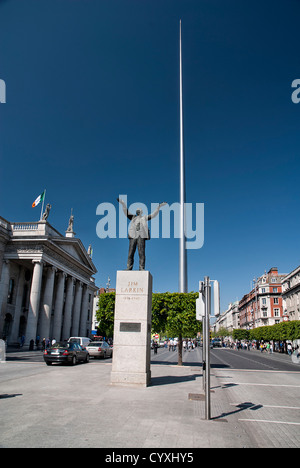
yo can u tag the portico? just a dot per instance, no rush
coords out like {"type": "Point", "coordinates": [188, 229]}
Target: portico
{"type": "Point", "coordinates": [46, 286]}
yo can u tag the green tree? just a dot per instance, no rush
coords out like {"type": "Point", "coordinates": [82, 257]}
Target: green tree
{"type": "Point", "coordinates": [222, 332]}
{"type": "Point", "coordinates": [173, 314]}
{"type": "Point", "coordinates": [240, 334]}
{"type": "Point", "coordinates": [105, 314]}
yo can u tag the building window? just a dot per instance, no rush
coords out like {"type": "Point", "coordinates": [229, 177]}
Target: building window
{"type": "Point", "coordinates": [265, 313]}
{"type": "Point", "coordinates": [11, 288]}
{"type": "Point", "coordinates": [276, 300]}
{"type": "Point", "coordinates": [276, 313]}
{"type": "Point", "coordinates": [275, 290]}
{"type": "Point", "coordinates": [263, 290]}
{"type": "Point", "coordinates": [264, 301]}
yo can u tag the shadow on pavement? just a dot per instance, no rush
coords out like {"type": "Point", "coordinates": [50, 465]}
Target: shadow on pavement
{"type": "Point", "coordinates": [172, 379]}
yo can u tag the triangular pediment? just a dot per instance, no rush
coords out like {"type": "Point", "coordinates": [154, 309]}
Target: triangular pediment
{"type": "Point", "coordinates": [75, 248]}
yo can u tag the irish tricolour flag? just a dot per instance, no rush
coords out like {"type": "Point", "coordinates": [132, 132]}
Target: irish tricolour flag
{"type": "Point", "coordinates": [39, 199]}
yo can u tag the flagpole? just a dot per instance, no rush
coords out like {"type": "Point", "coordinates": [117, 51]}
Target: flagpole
{"type": "Point", "coordinates": [43, 204]}
{"type": "Point", "coordinates": [182, 245]}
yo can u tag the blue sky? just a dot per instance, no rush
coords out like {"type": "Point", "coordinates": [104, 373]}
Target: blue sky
{"type": "Point", "coordinates": [92, 112]}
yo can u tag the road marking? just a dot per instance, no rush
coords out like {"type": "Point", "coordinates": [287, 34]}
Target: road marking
{"type": "Point", "coordinates": [268, 406]}
{"type": "Point", "coordinates": [273, 422]}
{"type": "Point", "coordinates": [259, 384]}
{"type": "Point", "coordinates": [260, 370]}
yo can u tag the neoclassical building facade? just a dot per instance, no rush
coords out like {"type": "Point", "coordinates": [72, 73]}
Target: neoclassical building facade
{"type": "Point", "coordinates": [47, 286]}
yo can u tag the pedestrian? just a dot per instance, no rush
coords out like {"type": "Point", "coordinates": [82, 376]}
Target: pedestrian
{"type": "Point", "coordinates": [43, 344]}
{"type": "Point", "coordinates": [268, 348]}
{"type": "Point", "coordinates": [22, 341]}
{"type": "Point", "coordinates": [184, 345]}
{"type": "Point", "coordinates": [289, 349]}
{"type": "Point", "coordinates": [155, 346]}
{"type": "Point", "coordinates": [271, 347]}
{"type": "Point", "coordinates": [189, 345]}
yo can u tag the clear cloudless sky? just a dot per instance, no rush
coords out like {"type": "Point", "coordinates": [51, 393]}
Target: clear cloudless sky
{"type": "Point", "coordinates": [92, 112]}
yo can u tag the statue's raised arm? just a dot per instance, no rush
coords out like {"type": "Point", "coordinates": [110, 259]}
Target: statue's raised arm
{"type": "Point", "coordinates": [125, 209]}
{"type": "Point", "coordinates": [155, 212]}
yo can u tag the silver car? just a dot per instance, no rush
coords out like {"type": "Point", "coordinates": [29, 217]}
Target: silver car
{"type": "Point", "coordinates": [99, 349]}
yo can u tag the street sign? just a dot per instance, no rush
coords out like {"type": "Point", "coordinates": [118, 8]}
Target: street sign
{"type": "Point", "coordinates": [216, 298]}
{"type": "Point", "coordinates": [200, 303]}
{"type": "Point", "coordinates": [200, 307]}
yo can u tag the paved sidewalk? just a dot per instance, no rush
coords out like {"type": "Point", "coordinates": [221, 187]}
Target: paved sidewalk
{"type": "Point", "coordinates": [78, 407]}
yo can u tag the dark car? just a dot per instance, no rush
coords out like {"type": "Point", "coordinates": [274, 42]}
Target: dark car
{"type": "Point", "coordinates": [217, 343]}
{"type": "Point", "coordinates": [66, 353]}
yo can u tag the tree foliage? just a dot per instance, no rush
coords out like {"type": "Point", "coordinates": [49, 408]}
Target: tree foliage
{"type": "Point", "coordinates": [174, 314]}
{"type": "Point", "coordinates": [278, 332]}
{"type": "Point", "coordinates": [105, 314]}
{"type": "Point", "coordinates": [240, 334]}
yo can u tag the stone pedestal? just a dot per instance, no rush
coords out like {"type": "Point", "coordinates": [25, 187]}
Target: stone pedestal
{"type": "Point", "coordinates": [132, 329]}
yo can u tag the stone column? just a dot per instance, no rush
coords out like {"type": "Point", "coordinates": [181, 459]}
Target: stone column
{"type": "Point", "coordinates": [45, 319]}
{"type": "Point", "coordinates": [4, 292]}
{"type": "Point", "coordinates": [34, 302]}
{"type": "Point", "coordinates": [68, 309]}
{"type": "Point", "coordinates": [77, 309]}
{"type": "Point", "coordinates": [16, 323]}
{"type": "Point", "coordinates": [84, 311]}
{"type": "Point", "coordinates": [58, 307]}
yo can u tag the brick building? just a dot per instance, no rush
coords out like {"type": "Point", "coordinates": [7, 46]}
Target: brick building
{"type": "Point", "coordinates": [263, 304]}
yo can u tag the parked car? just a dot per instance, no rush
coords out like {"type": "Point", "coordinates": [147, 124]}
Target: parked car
{"type": "Point", "coordinates": [99, 349]}
{"type": "Point", "coordinates": [65, 353]}
{"type": "Point", "coordinates": [83, 341]}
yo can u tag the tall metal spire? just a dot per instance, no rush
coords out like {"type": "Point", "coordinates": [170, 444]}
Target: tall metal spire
{"type": "Point", "coordinates": [183, 286]}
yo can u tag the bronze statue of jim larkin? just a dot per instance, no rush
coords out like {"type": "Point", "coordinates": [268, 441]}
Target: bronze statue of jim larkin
{"type": "Point", "coordinates": [138, 233]}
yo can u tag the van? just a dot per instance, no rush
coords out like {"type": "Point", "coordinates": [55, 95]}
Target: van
{"type": "Point", "coordinates": [83, 341]}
